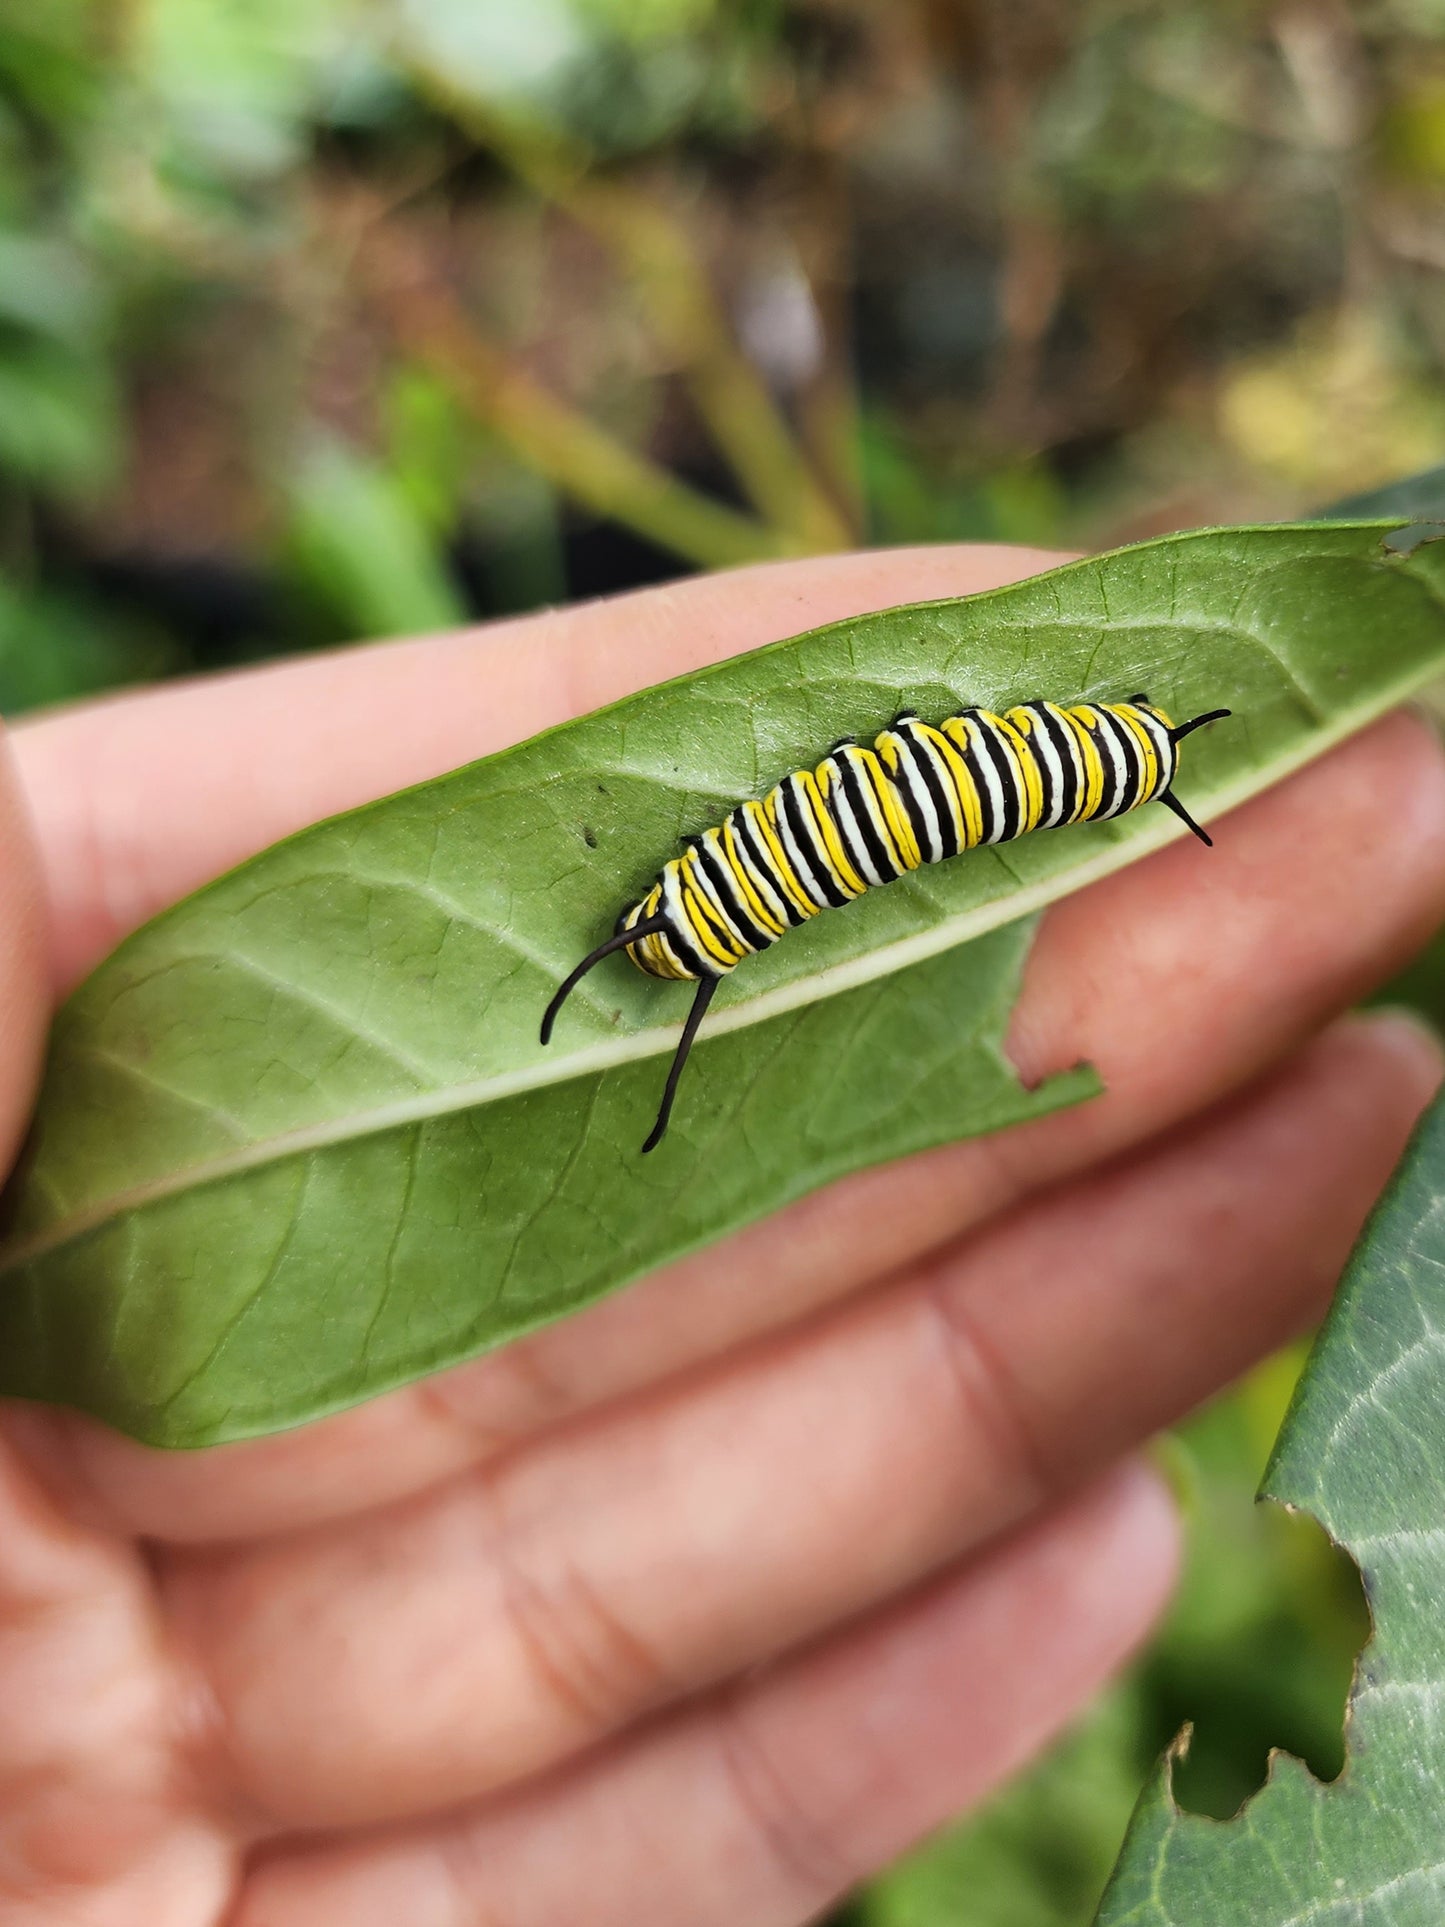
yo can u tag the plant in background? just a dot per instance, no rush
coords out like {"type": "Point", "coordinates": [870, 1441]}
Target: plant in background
{"type": "Point", "coordinates": [693, 285]}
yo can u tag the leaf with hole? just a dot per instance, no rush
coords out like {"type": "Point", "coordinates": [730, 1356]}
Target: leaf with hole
{"type": "Point", "coordinates": [298, 1141]}
{"type": "Point", "coordinates": [1363, 1450]}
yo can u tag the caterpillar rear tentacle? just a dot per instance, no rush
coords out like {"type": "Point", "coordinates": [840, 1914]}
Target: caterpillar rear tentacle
{"type": "Point", "coordinates": [867, 815]}
{"type": "Point", "coordinates": [1167, 797]}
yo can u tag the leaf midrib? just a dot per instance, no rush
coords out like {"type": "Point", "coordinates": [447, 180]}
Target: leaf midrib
{"type": "Point", "coordinates": [441, 1101]}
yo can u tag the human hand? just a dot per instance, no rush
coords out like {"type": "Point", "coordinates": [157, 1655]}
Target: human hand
{"type": "Point", "coordinates": [704, 1603]}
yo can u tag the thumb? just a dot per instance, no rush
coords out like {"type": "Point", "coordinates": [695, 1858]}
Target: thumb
{"type": "Point", "coordinates": [24, 968]}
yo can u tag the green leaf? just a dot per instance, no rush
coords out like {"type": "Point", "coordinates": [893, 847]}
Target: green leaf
{"type": "Point", "coordinates": [46, 285]}
{"type": "Point", "coordinates": [234, 83]}
{"type": "Point", "coordinates": [1363, 1450]}
{"type": "Point", "coordinates": [59, 423]}
{"type": "Point", "coordinates": [54, 647]}
{"type": "Point", "coordinates": [359, 544]}
{"type": "Point", "coordinates": [298, 1141]}
{"type": "Point", "coordinates": [1414, 495]}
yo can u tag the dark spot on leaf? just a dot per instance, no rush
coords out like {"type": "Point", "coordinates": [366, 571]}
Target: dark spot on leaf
{"type": "Point", "coordinates": [589, 836]}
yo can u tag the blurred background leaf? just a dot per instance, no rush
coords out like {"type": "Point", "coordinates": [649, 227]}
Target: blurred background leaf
{"type": "Point", "coordinates": [680, 283]}
{"type": "Point", "coordinates": [358, 541]}
{"type": "Point", "coordinates": [334, 318]}
{"type": "Point", "coordinates": [592, 292]}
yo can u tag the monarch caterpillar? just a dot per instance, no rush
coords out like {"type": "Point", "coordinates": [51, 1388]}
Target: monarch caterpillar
{"type": "Point", "coordinates": [867, 816]}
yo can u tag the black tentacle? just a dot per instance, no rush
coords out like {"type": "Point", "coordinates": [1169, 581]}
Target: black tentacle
{"type": "Point", "coordinates": [1171, 802]}
{"type": "Point", "coordinates": [700, 1002]}
{"type": "Point", "coordinates": [1181, 730]}
{"type": "Point", "coordinates": [620, 942]}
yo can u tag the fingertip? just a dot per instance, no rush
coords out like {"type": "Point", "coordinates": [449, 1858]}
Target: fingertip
{"type": "Point", "coordinates": [1409, 1040]}
{"type": "Point", "coordinates": [1140, 1539]}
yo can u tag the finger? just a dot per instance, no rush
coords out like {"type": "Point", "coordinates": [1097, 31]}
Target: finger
{"type": "Point", "coordinates": [24, 989]}
{"type": "Point", "coordinates": [141, 798]}
{"type": "Point", "coordinates": [94, 1820]}
{"type": "Point", "coordinates": [617, 1565]}
{"type": "Point", "coordinates": [1180, 978]}
{"type": "Point", "coordinates": [764, 1804]}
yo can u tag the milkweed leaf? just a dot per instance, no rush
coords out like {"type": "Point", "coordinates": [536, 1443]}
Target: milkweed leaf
{"type": "Point", "coordinates": [1363, 1450]}
{"type": "Point", "coordinates": [298, 1142]}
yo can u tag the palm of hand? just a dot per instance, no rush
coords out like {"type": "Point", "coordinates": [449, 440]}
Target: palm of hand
{"type": "Point", "coordinates": [489, 1647]}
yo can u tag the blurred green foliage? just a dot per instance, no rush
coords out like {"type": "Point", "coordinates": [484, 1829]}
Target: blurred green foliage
{"type": "Point", "coordinates": [335, 318]}
{"type": "Point", "coordinates": [322, 319]}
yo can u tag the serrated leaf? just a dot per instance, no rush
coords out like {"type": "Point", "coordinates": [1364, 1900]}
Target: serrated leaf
{"type": "Point", "coordinates": [298, 1141]}
{"type": "Point", "coordinates": [1363, 1450]}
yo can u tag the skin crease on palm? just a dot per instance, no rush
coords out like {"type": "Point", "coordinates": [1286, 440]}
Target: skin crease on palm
{"type": "Point", "coordinates": [702, 1605]}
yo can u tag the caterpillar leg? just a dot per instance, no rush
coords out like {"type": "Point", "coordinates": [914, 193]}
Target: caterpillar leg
{"type": "Point", "coordinates": [700, 1002]}
{"type": "Point", "coordinates": [619, 942]}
